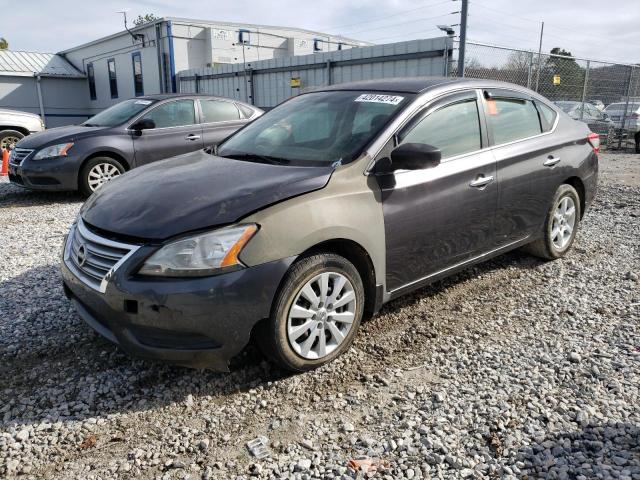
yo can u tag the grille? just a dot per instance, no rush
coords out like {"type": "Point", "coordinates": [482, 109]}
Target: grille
{"type": "Point", "coordinates": [92, 258]}
{"type": "Point", "coordinates": [19, 154]}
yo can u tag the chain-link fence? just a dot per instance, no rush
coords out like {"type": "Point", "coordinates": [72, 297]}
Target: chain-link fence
{"type": "Point", "coordinates": [604, 95]}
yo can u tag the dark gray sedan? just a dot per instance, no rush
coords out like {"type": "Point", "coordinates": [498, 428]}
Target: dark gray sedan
{"type": "Point", "coordinates": [320, 211]}
{"type": "Point", "coordinates": [127, 135]}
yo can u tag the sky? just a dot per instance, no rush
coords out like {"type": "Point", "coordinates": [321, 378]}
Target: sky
{"type": "Point", "coordinates": [608, 30]}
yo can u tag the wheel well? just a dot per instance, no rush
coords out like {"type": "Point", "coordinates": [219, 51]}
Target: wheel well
{"type": "Point", "coordinates": [357, 255]}
{"type": "Point", "coordinates": [576, 183]}
{"type": "Point", "coordinates": [22, 130]}
{"type": "Point", "coordinates": [112, 155]}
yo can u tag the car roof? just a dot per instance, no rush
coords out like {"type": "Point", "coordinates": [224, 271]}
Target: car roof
{"type": "Point", "coordinates": [418, 84]}
{"type": "Point", "coordinates": [167, 96]}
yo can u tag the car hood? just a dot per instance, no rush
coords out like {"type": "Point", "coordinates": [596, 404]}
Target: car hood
{"type": "Point", "coordinates": [51, 136]}
{"type": "Point", "coordinates": [193, 192]}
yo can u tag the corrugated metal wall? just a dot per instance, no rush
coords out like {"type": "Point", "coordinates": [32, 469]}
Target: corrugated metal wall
{"type": "Point", "coordinates": [268, 82]}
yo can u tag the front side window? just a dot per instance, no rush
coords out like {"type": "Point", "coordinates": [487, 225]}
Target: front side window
{"type": "Point", "coordinates": [138, 85]}
{"type": "Point", "coordinates": [91, 75]}
{"type": "Point", "coordinates": [173, 114]}
{"type": "Point", "coordinates": [454, 129]}
{"type": "Point", "coordinates": [218, 111]}
{"type": "Point", "coordinates": [512, 119]}
{"type": "Point", "coordinates": [318, 128]}
{"type": "Point", "coordinates": [119, 113]}
{"type": "Point", "coordinates": [113, 81]}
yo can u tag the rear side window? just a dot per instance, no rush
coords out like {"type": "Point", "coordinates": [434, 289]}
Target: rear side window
{"type": "Point", "coordinates": [173, 114]}
{"type": "Point", "coordinates": [454, 129]}
{"type": "Point", "coordinates": [217, 111]}
{"type": "Point", "coordinates": [512, 119]}
{"type": "Point", "coordinates": [547, 116]}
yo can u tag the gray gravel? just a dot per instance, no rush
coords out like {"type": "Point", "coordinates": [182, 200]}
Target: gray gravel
{"type": "Point", "coordinates": [514, 369]}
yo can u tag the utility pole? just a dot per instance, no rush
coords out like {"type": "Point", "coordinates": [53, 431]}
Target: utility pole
{"type": "Point", "coordinates": [539, 57]}
{"type": "Point", "coordinates": [463, 36]}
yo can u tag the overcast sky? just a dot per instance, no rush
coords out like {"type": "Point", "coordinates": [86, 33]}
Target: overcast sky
{"type": "Point", "coordinates": [589, 28]}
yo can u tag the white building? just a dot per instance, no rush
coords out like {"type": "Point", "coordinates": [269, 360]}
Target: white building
{"type": "Point", "coordinates": [146, 59]}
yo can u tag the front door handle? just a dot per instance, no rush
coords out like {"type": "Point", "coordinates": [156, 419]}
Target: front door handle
{"type": "Point", "coordinates": [551, 161]}
{"type": "Point", "coordinates": [481, 181]}
{"type": "Point", "coordinates": [192, 137]}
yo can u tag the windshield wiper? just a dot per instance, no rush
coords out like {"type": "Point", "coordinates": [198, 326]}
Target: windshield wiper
{"type": "Point", "coordinates": [253, 157]}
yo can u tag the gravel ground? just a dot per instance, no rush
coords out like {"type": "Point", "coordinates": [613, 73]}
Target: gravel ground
{"type": "Point", "coordinates": [514, 369]}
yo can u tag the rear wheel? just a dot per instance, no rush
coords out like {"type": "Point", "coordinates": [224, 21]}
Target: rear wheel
{"type": "Point", "coordinates": [9, 138]}
{"type": "Point", "coordinates": [316, 314]}
{"type": "Point", "coordinates": [96, 172]}
{"type": "Point", "coordinates": [561, 225]}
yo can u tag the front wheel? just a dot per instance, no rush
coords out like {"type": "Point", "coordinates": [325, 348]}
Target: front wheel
{"type": "Point", "coordinates": [561, 225]}
{"type": "Point", "coordinates": [96, 172]}
{"type": "Point", "coordinates": [316, 313]}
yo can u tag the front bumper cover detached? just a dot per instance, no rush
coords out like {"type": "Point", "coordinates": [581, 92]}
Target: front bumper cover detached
{"type": "Point", "coordinates": [195, 322]}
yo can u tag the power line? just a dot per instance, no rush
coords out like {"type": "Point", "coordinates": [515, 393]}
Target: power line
{"type": "Point", "coordinates": [401, 23]}
{"type": "Point", "coordinates": [335, 27]}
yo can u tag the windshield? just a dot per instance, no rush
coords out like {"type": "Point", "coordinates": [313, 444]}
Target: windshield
{"type": "Point", "coordinates": [315, 129]}
{"type": "Point", "coordinates": [119, 113]}
{"type": "Point", "coordinates": [568, 106]}
{"type": "Point", "coordinates": [621, 106]}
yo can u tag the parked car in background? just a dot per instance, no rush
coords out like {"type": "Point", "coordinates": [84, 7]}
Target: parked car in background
{"type": "Point", "coordinates": [631, 124]}
{"type": "Point", "coordinates": [127, 135]}
{"type": "Point", "coordinates": [15, 125]}
{"type": "Point", "coordinates": [322, 210]}
{"type": "Point", "coordinates": [599, 122]}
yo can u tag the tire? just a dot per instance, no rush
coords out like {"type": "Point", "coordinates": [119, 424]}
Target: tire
{"type": "Point", "coordinates": [280, 337]}
{"type": "Point", "coordinates": [555, 244]}
{"type": "Point", "coordinates": [109, 167]}
{"type": "Point", "coordinates": [9, 138]}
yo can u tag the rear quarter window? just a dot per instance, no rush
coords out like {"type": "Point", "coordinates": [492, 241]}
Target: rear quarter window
{"type": "Point", "coordinates": [512, 119]}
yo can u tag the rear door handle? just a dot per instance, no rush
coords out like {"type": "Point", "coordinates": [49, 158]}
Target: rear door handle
{"type": "Point", "coordinates": [192, 137]}
{"type": "Point", "coordinates": [481, 181]}
{"type": "Point", "coordinates": [551, 161]}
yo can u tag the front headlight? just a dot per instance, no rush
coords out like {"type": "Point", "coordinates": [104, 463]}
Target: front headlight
{"type": "Point", "coordinates": [53, 151]}
{"type": "Point", "coordinates": [200, 255]}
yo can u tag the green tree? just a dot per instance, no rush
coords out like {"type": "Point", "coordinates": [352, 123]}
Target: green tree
{"type": "Point", "coordinates": [4, 45]}
{"type": "Point", "coordinates": [141, 20]}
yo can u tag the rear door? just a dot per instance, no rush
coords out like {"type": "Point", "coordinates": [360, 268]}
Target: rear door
{"type": "Point", "coordinates": [220, 118]}
{"type": "Point", "coordinates": [439, 217]}
{"type": "Point", "coordinates": [176, 131]}
{"type": "Point", "coordinates": [529, 161]}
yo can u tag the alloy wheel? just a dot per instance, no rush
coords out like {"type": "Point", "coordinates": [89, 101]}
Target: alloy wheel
{"type": "Point", "coordinates": [9, 142]}
{"type": "Point", "coordinates": [564, 220]}
{"type": "Point", "coordinates": [321, 315]}
{"type": "Point", "coordinates": [100, 174]}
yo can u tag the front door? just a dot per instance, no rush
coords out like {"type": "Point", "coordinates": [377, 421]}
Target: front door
{"type": "Point", "coordinates": [442, 216]}
{"type": "Point", "coordinates": [176, 131]}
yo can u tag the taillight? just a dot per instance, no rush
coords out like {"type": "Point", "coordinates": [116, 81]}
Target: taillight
{"type": "Point", "coordinates": [594, 140]}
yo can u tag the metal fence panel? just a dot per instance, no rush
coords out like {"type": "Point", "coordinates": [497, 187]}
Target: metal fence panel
{"type": "Point", "coordinates": [268, 82]}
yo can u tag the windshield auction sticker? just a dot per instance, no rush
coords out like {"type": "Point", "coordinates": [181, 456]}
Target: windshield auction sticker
{"type": "Point", "coordinates": [374, 98]}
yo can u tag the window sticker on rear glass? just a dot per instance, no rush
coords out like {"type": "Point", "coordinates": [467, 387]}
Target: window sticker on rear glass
{"type": "Point", "coordinates": [374, 98]}
{"type": "Point", "coordinates": [143, 102]}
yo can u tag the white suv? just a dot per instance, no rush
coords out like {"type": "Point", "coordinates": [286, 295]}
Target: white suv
{"type": "Point", "coordinates": [15, 125]}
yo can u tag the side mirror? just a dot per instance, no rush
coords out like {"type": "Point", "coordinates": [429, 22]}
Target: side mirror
{"type": "Point", "coordinates": [415, 156]}
{"type": "Point", "coordinates": [143, 124]}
